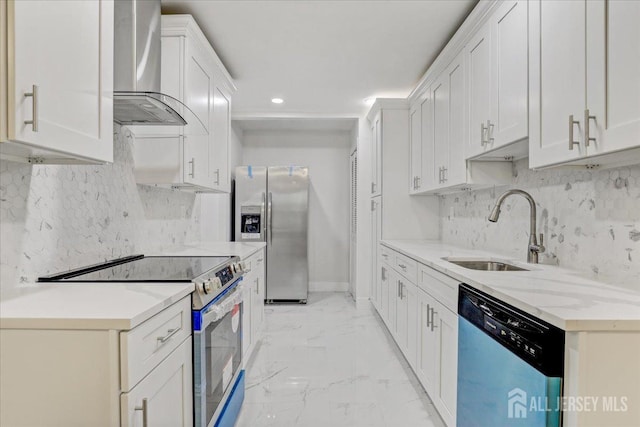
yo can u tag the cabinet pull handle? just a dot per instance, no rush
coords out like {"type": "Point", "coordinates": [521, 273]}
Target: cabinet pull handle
{"type": "Point", "coordinates": [143, 408]}
{"type": "Point", "coordinates": [192, 162]}
{"type": "Point", "coordinates": [384, 273]}
{"type": "Point", "coordinates": [571, 124]}
{"type": "Point", "coordinates": [418, 182]}
{"type": "Point", "coordinates": [482, 131]}
{"type": "Point", "coordinates": [217, 172]}
{"type": "Point", "coordinates": [402, 266]}
{"type": "Point", "coordinates": [428, 313]}
{"type": "Point", "coordinates": [587, 119]}
{"type": "Point", "coordinates": [440, 175]}
{"type": "Point", "coordinates": [401, 290]}
{"type": "Point", "coordinates": [444, 174]}
{"type": "Point", "coordinates": [257, 286]}
{"type": "Point", "coordinates": [433, 323]}
{"type": "Point", "coordinates": [398, 289]}
{"type": "Point", "coordinates": [373, 188]}
{"type": "Point", "coordinates": [34, 108]}
{"type": "Point", "coordinates": [489, 132]}
{"type": "Point", "coordinates": [170, 333]}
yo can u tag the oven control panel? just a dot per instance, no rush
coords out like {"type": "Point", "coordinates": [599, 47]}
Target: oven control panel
{"type": "Point", "coordinates": [225, 275]}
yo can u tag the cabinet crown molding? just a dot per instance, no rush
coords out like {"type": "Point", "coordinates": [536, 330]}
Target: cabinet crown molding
{"type": "Point", "coordinates": [387, 104]}
{"type": "Point", "coordinates": [186, 26]}
{"type": "Point", "coordinates": [478, 16]}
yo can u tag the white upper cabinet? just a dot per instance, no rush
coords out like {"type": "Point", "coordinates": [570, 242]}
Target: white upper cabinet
{"type": "Point", "coordinates": [613, 76]}
{"type": "Point", "coordinates": [220, 175]}
{"type": "Point", "coordinates": [509, 85]}
{"type": "Point", "coordinates": [376, 155]}
{"type": "Point", "coordinates": [57, 101]}
{"type": "Point", "coordinates": [196, 156]}
{"type": "Point", "coordinates": [585, 84]}
{"type": "Point", "coordinates": [478, 52]}
{"type": "Point", "coordinates": [557, 80]}
{"type": "Point", "coordinates": [415, 147]}
{"type": "Point", "coordinates": [497, 61]}
{"type": "Point", "coordinates": [428, 177]}
{"type": "Point", "coordinates": [449, 116]}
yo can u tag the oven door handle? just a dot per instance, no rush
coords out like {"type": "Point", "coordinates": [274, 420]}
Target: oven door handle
{"type": "Point", "coordinates": [218, 310]}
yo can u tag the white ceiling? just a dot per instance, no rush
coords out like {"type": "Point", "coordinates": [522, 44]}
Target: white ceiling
{"type": "Point", "coordinates": [323, 57]}
{"type": "Point", "coordinates": [297, 124]}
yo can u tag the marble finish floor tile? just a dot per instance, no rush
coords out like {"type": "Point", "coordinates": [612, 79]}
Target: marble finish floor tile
{"type": "Point", "coordinates": [331, 364]}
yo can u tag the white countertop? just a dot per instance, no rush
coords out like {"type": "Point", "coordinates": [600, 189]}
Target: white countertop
{"type": "Point", "coordinates": [118, 306]}
{"type": "Point", "coordinates": [240, 249]}
{"type": "Point", "coordinates": [556, 295]}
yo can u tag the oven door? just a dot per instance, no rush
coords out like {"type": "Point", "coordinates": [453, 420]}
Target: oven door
{"type": "Point", "coordinates": [217, 353]}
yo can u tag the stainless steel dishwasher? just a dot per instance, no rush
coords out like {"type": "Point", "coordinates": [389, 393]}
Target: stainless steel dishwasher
{"type": "Point", "coordinates": [510, 365]}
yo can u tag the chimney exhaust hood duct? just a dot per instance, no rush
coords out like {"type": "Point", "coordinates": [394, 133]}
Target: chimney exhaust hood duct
{"type": "Point", "coordinates": [136, 98]}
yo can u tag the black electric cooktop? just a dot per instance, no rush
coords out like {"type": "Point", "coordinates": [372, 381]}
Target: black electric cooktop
{"type": "Point", "coordinates": [139, 268]}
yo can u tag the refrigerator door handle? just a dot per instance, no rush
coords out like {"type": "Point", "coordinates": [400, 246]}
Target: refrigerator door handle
{"type": "Point", "coordinates": [269, 218]}
{"type": "Point", "coordinates": [263, 220]}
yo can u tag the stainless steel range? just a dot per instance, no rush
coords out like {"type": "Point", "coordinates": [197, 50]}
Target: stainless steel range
{"type": "Point", "coordinates": [218, 378]}
{"type": "Point", "coordinates": [211, 274]}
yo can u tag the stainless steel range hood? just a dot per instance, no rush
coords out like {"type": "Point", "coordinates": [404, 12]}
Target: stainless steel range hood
{"type": "Point", "coordinates": [137, 99]}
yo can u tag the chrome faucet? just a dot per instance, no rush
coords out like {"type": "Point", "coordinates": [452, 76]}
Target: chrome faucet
{"type": "Point", "coordinates": [534, 248]}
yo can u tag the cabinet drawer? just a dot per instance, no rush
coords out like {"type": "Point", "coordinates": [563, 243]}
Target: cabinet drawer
{"type": "Point", "coordinates": [255, 262]}
{"type": "Point", "coordinates": [440, 286]}
{"type": "Point", "coordinates": [386, 254]}
{"type": "Point", "coordinates": [145, 346]}
{"type": "Point", "coordinates": [407, 267]}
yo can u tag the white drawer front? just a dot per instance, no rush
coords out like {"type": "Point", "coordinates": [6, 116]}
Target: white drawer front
{"type": "Point", "coordinates": [387, 254]}
{"type": "Point", "coordinates": [407, 267]}
{"type": "Point", "coordinates": [145, 346]}
{"type": "Point", "coordinates": [255, 262]}
{"type": "Point", "coordinates": [440, 286]}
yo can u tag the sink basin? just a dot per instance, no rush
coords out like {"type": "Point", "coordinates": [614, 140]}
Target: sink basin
{"type": "Point", "coordinates": [486, 265]}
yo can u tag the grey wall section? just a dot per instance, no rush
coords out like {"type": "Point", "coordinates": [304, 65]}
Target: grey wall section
{"type": "Point", "coordinates": [54, 218]}
{"type": "Point", "coordinates": [327, 156]}
{"type": "Point", "coordinates": [590, 219]}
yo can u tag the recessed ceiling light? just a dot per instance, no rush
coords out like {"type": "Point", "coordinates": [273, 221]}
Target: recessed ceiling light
{"type": "Point", "coordinates": [370, 100]}
{"type": "Point", "coordinates": [277, 100]}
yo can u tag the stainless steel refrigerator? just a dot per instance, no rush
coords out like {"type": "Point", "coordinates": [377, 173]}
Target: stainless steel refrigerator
{"type": "Point", "coordinates": [272, 206]}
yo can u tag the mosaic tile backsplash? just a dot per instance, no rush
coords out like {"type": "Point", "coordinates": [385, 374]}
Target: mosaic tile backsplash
{"type": "Point", "coordinates": [590, 220]}
{"type": "Point", "coordinates": [54, 218]}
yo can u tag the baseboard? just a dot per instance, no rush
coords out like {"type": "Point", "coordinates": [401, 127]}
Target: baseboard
{"type": "Point", "coordinates": [328, 286]}
{"type": "Point", "coordinates": [363, 302]}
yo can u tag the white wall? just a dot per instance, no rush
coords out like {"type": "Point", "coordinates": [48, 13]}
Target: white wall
{"type": "Point", "coordinates": [326, 153]}
{"type": "Point", "coordinates": [590, 219]}
{"type": "Point", "coordinates": [54, 218]}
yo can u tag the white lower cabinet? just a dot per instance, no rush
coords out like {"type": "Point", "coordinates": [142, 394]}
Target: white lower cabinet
{"type": "Point", "coordinates": [162, 398]}
{"type": "Point", "coordinates": [100, 377]}
{"type": "Point", "coordinates": [253, 303]}
{"type": "Point", "coordinates": [422, 320]}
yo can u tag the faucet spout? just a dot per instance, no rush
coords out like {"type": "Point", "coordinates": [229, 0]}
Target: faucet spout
{"type": "Point", "coordinates": [533, 247]}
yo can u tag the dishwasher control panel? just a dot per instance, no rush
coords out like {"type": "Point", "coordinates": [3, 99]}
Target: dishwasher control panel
{"type": "Point", "coordinates": [537, 342]}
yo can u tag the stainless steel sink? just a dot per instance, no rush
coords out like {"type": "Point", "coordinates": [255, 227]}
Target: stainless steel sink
{"type": "Point", "coordinates": [486, 265]}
